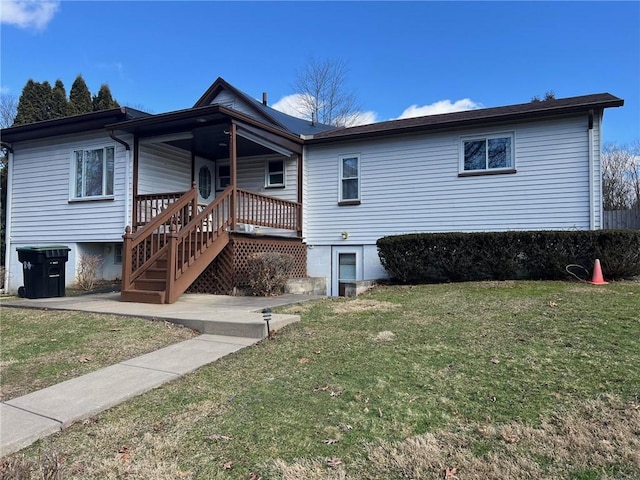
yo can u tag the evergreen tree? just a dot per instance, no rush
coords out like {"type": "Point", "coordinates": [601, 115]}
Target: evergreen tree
{"type": "Point", "coordinates": [35, 103]}
{"type": "Point", "coordinates": [79, 98]}
{"type": "Point", "coordinates": [44, 96]}
{"type": "Point", "coordinates": [27, 104]}
{"type": "Point", "coordinates": [103, 100]}
{"type": "Point", "coordinates": [58, 101]}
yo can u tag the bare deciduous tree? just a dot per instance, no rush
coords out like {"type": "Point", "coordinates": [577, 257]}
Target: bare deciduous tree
{"type": "Point", "coordinates": [322, 86]}
{"type": "Point", "coordinates": [8, 109]}
{"type": "Point", "coordinates": [621, 176]}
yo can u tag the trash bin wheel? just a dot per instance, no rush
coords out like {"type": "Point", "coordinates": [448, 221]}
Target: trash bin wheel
{"type": "Point", "coordinates": [22, 292]}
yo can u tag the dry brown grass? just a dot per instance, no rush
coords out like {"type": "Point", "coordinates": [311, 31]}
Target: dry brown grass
{"type": "Point", "coordinates": [598, 434]}
{"type": "Point", "coordinates": [594, 435]}
{"type": "Point", "coordinates": [385, 336]}
{"type": "Point", "coordinates": [310, 470]}
{"type": "Point", "coordinates": [363, 305]}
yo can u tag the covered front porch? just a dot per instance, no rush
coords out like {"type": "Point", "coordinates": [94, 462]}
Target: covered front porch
{"type": "Point", "coordinates": [244, 180]}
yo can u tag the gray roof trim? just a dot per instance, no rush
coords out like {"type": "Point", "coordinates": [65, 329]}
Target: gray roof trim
{"type": "Point", "coordinates": [188, 119]}
{"type": "Point", "coordinates": [67, 125]}
{"type": "Point", "coordinates": [511, 113]}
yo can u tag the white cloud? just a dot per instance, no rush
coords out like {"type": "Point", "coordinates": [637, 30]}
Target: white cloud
{"type": "Point", "coordinates": [295, 105]}
{"type": "Point", "coordinates": [361, 118]}
{"type": "Point", "coordinates": [28, 13]}
{"type": "Point", "coordinates": [291, 105]}
{"type": "Point", "coordinates": [4, 89]}
{"type": "Point", "coordinates": [441, 106]}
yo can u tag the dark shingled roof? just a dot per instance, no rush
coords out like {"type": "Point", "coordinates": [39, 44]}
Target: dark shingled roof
{"type": "Point", "coordinates": [523, 111]}
{"type": "Point", "coordinates": [263, 112]}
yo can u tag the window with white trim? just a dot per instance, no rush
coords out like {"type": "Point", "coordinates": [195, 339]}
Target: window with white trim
{"type": "Point", "coordinates": [349, 179]}
{"type": "Point", "coordinates": [487, 153]}
{"type": "Point", "coordinates": [274, 173]}
{"type": "Point", "coordinates": [223, 177]}
{"type": "Point", "coordinates": [93, 172]}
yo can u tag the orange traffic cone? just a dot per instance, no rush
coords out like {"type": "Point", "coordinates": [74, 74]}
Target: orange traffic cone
{"type": "Point", "coordinates": [597, 275]}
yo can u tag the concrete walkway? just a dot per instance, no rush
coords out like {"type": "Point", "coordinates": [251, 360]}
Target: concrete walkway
{"type": "Point", "coordinates": [229, 323]}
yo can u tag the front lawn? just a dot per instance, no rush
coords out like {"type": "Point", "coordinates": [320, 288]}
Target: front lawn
{"type": "Point", "coordinates": [42, 347]}
{"type": "Point", "coordinates": [492, 380]}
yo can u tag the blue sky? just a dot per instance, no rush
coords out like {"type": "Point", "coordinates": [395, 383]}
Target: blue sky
{"type": "Point", "coordinates": [161, 56]}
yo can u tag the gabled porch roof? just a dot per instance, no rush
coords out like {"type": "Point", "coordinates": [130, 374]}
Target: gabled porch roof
{"type": "Point", "coordinates": [208, 128]}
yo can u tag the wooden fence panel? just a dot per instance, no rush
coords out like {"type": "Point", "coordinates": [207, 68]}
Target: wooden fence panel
{"type": "Point", "coordinates": [622, 219]}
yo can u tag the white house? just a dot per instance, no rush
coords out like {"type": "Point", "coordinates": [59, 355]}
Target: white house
{"type": "Point", "coordinates": [202, 188]}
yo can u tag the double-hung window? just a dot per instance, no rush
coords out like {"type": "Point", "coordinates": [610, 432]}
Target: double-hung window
{"type": "Point", "coordinates": [274, 173]}
{"type": "Point", "coordinates": [349, 179]}
{"type": "Point", "coordinates": [92, 172]}
{"type": "Point", "coordinates": [487, 153]}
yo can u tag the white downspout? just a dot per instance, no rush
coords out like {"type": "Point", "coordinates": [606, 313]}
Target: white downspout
{"type": "Point", "coordinates": [7, 232]}
{"type": "Point", "coordinates": [592, 200]}
{"type": "Point", "coordinates": [127, 178]}
{"type": "Point", "coordinates": [128, 190]}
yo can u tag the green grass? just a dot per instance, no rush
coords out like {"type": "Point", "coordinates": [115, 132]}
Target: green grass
{"type": "Point", "coordinates": [42, 347]}
{"type": "Point", "coordinates": [495, 379]}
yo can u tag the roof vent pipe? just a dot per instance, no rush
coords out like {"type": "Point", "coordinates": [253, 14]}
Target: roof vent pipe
{"type": "Point", "coordinates": [264, 98]}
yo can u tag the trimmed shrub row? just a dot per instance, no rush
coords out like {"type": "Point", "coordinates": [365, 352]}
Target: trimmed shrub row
{"type": "Point", "coordinates": [538, 255]}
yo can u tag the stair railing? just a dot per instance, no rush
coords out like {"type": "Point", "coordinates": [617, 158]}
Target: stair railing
{"type": "Point", "coordinates": [189, 243]}
{"type": "Point", "coordinates": [143, 247]}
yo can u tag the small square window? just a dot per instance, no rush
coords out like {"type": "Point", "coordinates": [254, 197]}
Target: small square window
{"type": "Point", "coordinates": [117, 254]}
{"type": "Point", "coordinates": [275, 173]}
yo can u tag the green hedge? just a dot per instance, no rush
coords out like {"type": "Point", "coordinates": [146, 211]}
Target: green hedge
{"type": "Point", "coordinates": [540, 255]}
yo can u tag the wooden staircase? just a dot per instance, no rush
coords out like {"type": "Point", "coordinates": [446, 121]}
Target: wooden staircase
{"type": "Point", "coordinates": [151, 286]}
{"type": "Point", "coordinates": [167, 252]}
{"type": "Point", "coordinates": [163, 258]}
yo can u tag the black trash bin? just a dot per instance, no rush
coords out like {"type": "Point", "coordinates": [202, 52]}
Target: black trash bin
{"type": "Point", "coordinates": [43, 269]}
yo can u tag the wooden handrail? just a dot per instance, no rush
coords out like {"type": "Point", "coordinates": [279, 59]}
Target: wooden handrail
{"type": "Point", "coordinates": [143, 247]}
{"type": "Point", "coordinates": [265, 211]}
{"type": "Point", "coordinates": [188, 244]}
{"type": "Point", "coordinates": [148, 205]}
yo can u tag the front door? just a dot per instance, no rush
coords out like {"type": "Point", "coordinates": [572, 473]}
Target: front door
{"type": "Point", "coordinates": [205, 180]}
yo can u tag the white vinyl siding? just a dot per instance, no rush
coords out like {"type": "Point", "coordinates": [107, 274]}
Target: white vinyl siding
{"type": "Point", "coordinates": [411, 184]}
{"type": "Point", "coordinates": [163, 168]}
{"type": "Point", "coordinates": [41, 212]}
{"type": "Point", "coordinates": [251, 176]}
{"type": "Point", "coordinates": [227, 99]}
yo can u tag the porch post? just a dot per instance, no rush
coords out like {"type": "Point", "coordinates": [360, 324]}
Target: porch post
{"type": "Point", "coordinates": [233, 161]}
{"type": "Point", "coordinates": [299, 219]}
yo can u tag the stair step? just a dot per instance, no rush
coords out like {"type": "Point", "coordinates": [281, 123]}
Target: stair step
{"type": "Point", "coordinates": [154, 284]}
{"type": "Point", "coordinates": [142, 296]}
{"type": "Point", "coordinates": [155, 273]}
